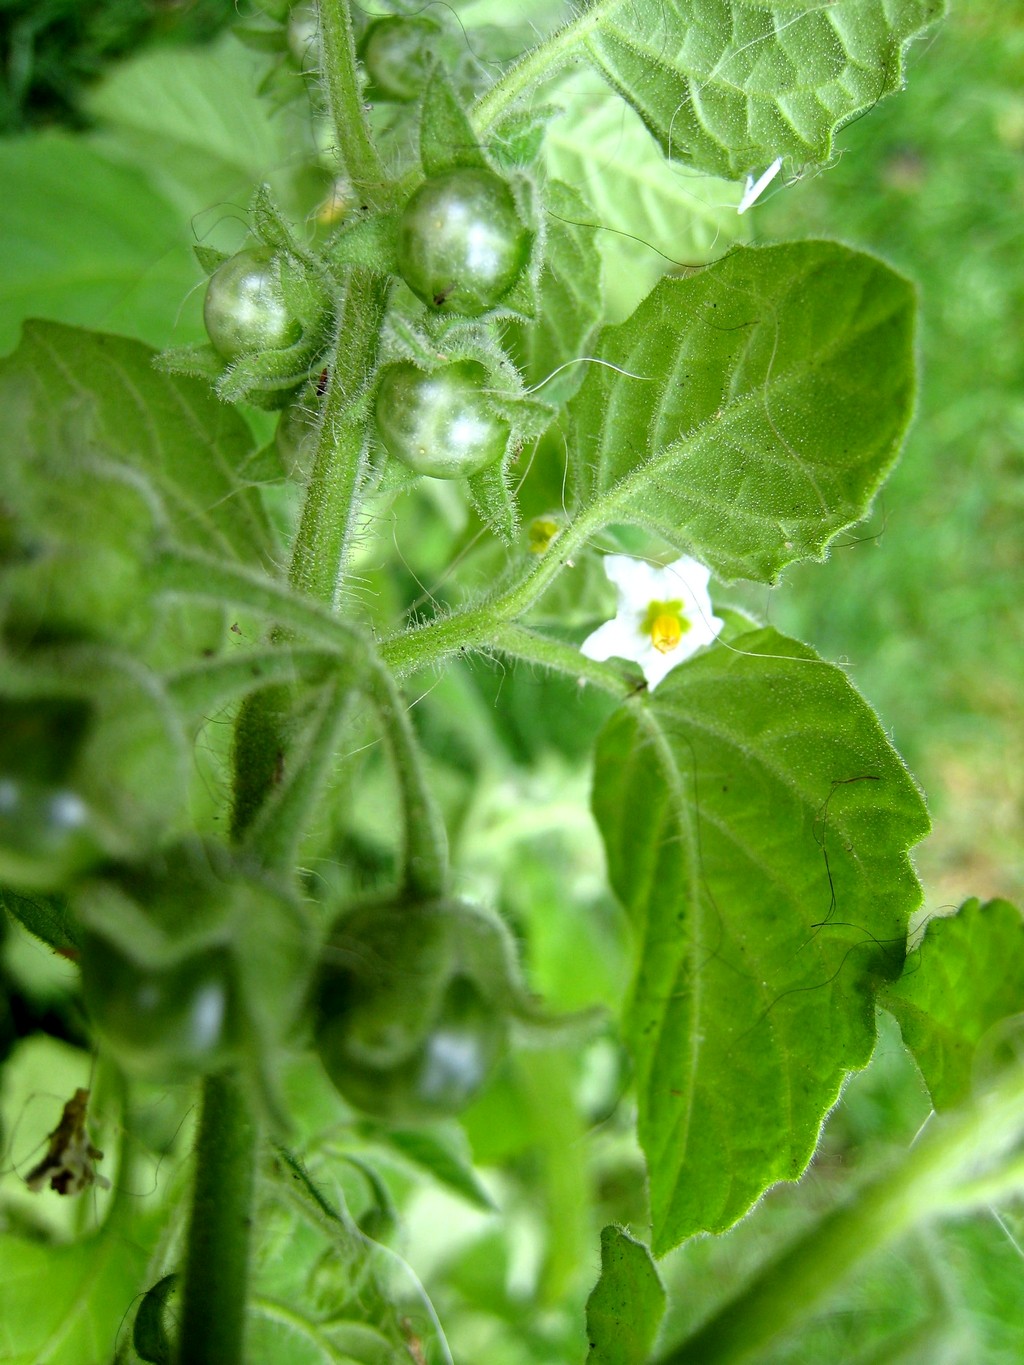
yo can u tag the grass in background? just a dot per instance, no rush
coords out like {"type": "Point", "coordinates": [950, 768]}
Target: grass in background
{"type": "Point", "coordinates": [925, 600]}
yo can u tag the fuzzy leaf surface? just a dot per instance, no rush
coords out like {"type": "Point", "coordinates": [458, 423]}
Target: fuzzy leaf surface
{"type": "Point", "coordinates": [626, 1305]}
{"type": "Point", "coordinates": [763, 402]}
{"type": "Point", "coordinates": [48, 917]}
{"type": "Point", "coordinates": [447, 140]}
{"type": "Point", "coordinates": [959, 985]}
{"type": "Point", "coordinates": [729, 85]}
{"type": "Point", "coordinates": [757, 824]}
{"type": "Point", "coordinates": [194, 121]}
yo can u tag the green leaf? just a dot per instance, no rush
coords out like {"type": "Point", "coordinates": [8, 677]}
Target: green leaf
{"type": "Point", "coordinates": [271, 226]}
{"type": "Point", "coordinates": [626, 1305]}
{"type": "Point", "coordinates": [88, 424]}
{"type": "Point", "coordinates": [756, 821]}
{"type": "Point", "coordinates": [48, 917]}
{"type": "Point", "coordinates": [729, 85]}
{"type": "Point", "coordinates": [323, 1292]}
{"type": "Point", "coordinates": [379, 1220]}
{"type": "Point", "coordinates": [194, 122]}
{"type": "Point", "coordinates": [964, 980]}
{"type": "Point", "coordinates": [434, 1153]}
{"type": "Point", "coordinates": [64, 1305]}
{"type": "Point", "coordinates": [519, 139]}
{"type": "Point", "coordinates": [209, 258]}
{"type": "Point", "coordinates": [370, 242]}
{"type": "Point", "coordinates": [762, 403]}
{"type": "Point", "coordinates": [179, 135]}
{"type": "Point", "coordinates": [120, 267]}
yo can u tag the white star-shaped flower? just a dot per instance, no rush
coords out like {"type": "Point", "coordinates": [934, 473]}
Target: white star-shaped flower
{"type": "Point", "coordinates": [663, 616]}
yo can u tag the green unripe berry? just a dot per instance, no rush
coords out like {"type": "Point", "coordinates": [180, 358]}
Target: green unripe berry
{"type": "Point", "coordinates": [397, 55]}
{"type": "Point", "coordinates": [441, 423]}
{"type": "Point", "coordinates": [245, 309]}
{"type": "Point", "coordinates": [412, 1005]}
{"type": "Point", "coordinates": [461, 242]}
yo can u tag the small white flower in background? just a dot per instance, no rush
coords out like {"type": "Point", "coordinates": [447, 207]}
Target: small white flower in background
{"type": "Point", "coordinates": [663, 616]}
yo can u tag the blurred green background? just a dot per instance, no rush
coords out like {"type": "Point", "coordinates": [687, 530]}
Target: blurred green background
{"type": "Point", "coordinates": [926, 600]}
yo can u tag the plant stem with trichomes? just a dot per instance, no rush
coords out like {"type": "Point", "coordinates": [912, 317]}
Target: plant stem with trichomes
{"type": "Point", "coordinates": [543, 60]}
{"type": "Point", "coordinates": [359, 157]}
{"type": "Point", "coordinates": [216, 1275]}
{"type": "Point", "coordinates": [217, 1260]}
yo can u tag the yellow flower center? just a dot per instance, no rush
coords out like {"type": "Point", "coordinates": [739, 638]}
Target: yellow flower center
{"type": "Point", "coordinates": [542, 532]}
{"type": "Point", "coordinates": [665, 623]}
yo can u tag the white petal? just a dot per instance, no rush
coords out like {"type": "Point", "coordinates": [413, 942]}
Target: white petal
{"type": "Point", "coordinates": [613, 640]}
{"type": "Point", "coordinates": [639, 584]}
{"type": "Point", "coordinates": [691, 582]}
{"type": "Point", "coordinates": [703, 632]}
{"type": "Point", "coordinates": [691, 572]}
{"type": "Point", "coordinates": [655, 664]}
{"type": "Point", "coordinates": [636, 580]}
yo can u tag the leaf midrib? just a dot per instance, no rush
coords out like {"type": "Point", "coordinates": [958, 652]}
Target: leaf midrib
{"type": "Point", "coordinates": [624, 489]}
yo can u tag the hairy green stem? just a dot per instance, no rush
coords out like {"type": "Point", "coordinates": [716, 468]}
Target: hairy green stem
{"type": "Point", "coordinates": [562, 658]}
{"type": "Point", "coordinates": [425, 860]}
{"type": "Point", "coordinates": [329, 513]}
{"type": "Point", "coordinates": [276, 831]}
{"type": "Point", "coordinates": [359, 157]}
{"type": "Point", "coordinates": [192, 574]}
{"type": "Point", "coordinates": [215, 1296]}
{"type": "Point", "coordinates": [216, 1266]}
{"type": "Point", "coordinates": [484, 625]}
{"type": "Point", "coordinates": [475, 627]}
{"type": "Point", "coordinates": [930, 1179]}
{"type": "Point", "coordinates": [218, 1238]}
{"type": "Point", "coordinates": [217, 1258]}
{"type": "Point", "coordinates": [556, 50]}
